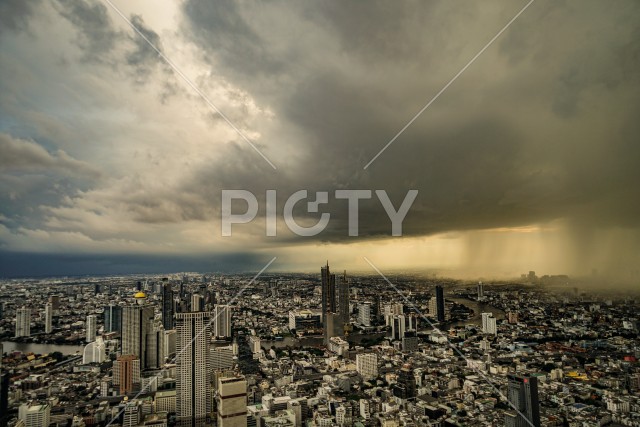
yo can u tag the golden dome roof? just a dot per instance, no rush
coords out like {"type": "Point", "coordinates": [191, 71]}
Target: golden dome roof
{"type": "Point", "coordinates": [140, 295]}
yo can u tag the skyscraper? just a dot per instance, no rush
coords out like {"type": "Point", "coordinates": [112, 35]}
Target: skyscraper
{"type": "Point", "coordinates": [222, 322]}
{"type": "Point", "coordinates": [343, 298]}
{"type": "Point", "coordinates": [167, 305]}
{"type": "Point", "coordinates": [405, 387]}
{"type": "Point", "coordinates": [232, 402]}
{"type": "Point", "coordinates": [193, 397]}
{"type": "Point", "coordinates": [137, 320]}
{"type": "Point", "coordinates": [331, 320]}
{"type": "Point", "coordinates": [91, 327]}
{"type": "Point", "coordinates": [48, 318]}
{"type": "Point", "coordinates": [480, 291]}
{"type": "Point", "coordinates": [23, 322]}
{"type": "Point", "coordinates": [440, 304]}
{"type": "Point", "coordinates": [489, 324]}
{"type": "Point", "coordinates": [155, 348]}
{"type": "Point", "coordinates": [113, 318]}
{"type": "Point", "coordinates": [522, 393]}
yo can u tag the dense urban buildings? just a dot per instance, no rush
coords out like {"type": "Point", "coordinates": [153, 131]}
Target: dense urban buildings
{"type": "Point", "coordinates": [516, 354]}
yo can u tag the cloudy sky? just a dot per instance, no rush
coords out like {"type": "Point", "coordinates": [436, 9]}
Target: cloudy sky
{"type": "Point", "coordinates": [111, 162]}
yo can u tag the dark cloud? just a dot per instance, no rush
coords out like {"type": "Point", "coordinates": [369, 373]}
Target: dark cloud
{"type": "Point", "coordinates": [15, 14]}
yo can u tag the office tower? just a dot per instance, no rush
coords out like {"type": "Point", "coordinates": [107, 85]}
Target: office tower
{"type": "Point", "coordinates": [167, 304]}
{"type": "Point", "coordinates": [170, 342]}
{"type": "Point", "coordinates": [55, 301]}
{"type": "Point", "coordinates": [222, 321]}
{"type": "Point", "coordinates": [367, 365]}
{"type": "Point", "coordinates": [405, 388]}
{"type": "Point", "coordinates": [410, 341]}
{"type": "Point", "coordinates": [489, 325]}
{"type": "Point", "coordinates": [96, 289]}
{"type": "Point", "coordinates": [222, 358]}
{"type": "Point", "coordinates": [440, 304]}
{"type": "Point", "coordinates": [91, 327]}
{"type": "Point", "coordinates": [48, 318]}
{"type": "Point", "coordinates": [137, 320]}
{"type": "Point", "coordinates": [23, 322]}
{"type": "Point", "coordinates": [365, 314]}
{"type": "Point", "coordinates": [126, 373]}
{"type": "Point", "coordinates": [398, 326]}
{"type": "Point", "coordinates": [193, 397]}
{"type": "Point", "coordinates": [197, 302]}
{"type": "Point", "coordinates": [343, 298]}
{"type": "Point", "coordinates": [155, 354]}
{"type": "Point", "coordinates": [480, 291]}
{"type": "Point", "coordinates": [35, 415]}
{"type": "Point", "coordinates": [522, 393]}
{"type": "Point", "coordinates": [332, 321]}
{"type": "Point", "coordinates": [232, 402]}
{"type": "Point", "coordinates": [1, 310]}
{"type": "Point", "coordinates": [138, 286]}
{"type": "Point", "coordinates": [113, 318]}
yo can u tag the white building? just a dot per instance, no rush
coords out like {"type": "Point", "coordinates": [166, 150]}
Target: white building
{"type": "Point", "coordinates": [232, 402]}
{"type": "Point", "coordinates": [91, 327]}
{"type": "Point", "coordinates": [489, 325]}
{"type": "Point", "coordinates": [23, 322]}
{"type": "Point", "coordinates": [367, 365]}
{"type": "Point", "coordinates": [48, 318]}
{"type": "Point", "coordinates": [94, 352]}
{"type": "Point", "coordinates": [365, 314]}
{"type": "Point", "coordinates": [35, 415]}
{"type": "Point", "coordinates": [338, 346]}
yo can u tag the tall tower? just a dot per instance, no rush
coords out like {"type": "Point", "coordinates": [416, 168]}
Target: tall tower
{"type": "Point", "coordinates": [137, 320]}
{"type": "Point", "coordinates": [222, 321]}
{"type": "Point", "coordinates": [113, 318]}
{"type": "Point", "coordinates": [343, 298]}
{"type": "Point", "coordinates": [23, 322]}
{"type": "Point", "coordinates": [232, 402]}
{"type": "Point", "coordinates": [193, 397]}
{"type": "Point", "coordinates": [522, 393]}
{"type": "Point", "coordinates": [167, 305]}
{"type": "Point", "coordinates": [440, 304]}
{"type": "Point", "coordinates": [91, 327]}
{"type": "Point", "coordinates": [48, 318]}
{"type": "Point", "coordinates": [331, 319]}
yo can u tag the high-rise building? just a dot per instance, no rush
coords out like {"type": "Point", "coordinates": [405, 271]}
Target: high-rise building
{"type": "Point", "coordinates": [232, 402]}
{"type": "Point", "coordinates": [197, 302]}
{"type": "Point", "coordinates": [55, 301]}
{"type": "Point", "coordinates": [405, 387]}
{"type": "Point", "coordinates": [332, 320]}
{"type": "Point", "coordinates": [193, 382]}
{"type": "Point", "coordinates": [440, 314]}
{"type": "Point", "coordinates": [343, 297]}
{"type": "Point", "coordinates": [113, 318]}
{"type": "Point", "coordinates": [365, 314]}
{"type": "Point", "coordinates": [126, 373]}
{"type": "Point", "coordinates": [137, 321]}
{"type": "Point", "coordinates": [398, 326]}
{"type": "Point", "coordinates": [35, 415]}
{"type": "Point", "coordinates": [222, 358]}
{"type": "Point", "coordinates": [23, 322]}
{"type": "Point", "coordinates": [48, 318]}
{"type": "Point", "coordinates": [367, 365]}
{"type": "Point", "coordinates": [91, 327]}
{"type": "Point", "coordinates": [155, 354]}
{"type": "Point", "coordinates": [480, 291]}
{"type": "Point", "coordinates": [4, 394]}
{"type": "Point", "coordinates": [522, 393]}
{"type": "Point", "coordinates": [489, 325]}
{"type": "Point", "coordinates": [222, 322]}
{"type": "Point", "coordinates": [167, 305]}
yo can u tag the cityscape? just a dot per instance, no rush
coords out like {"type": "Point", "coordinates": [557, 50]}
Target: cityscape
{"type": "Point", "coordinates": [326, 349]}
{"type": "Point", "coordinates": [336, 213]}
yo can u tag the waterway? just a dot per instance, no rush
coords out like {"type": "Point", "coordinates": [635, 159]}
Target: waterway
{"type": "Point", "coordinates": [9, 346]}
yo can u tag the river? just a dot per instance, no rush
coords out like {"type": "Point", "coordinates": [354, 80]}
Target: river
{"type": "Point", "coordinates": [9, 346]}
